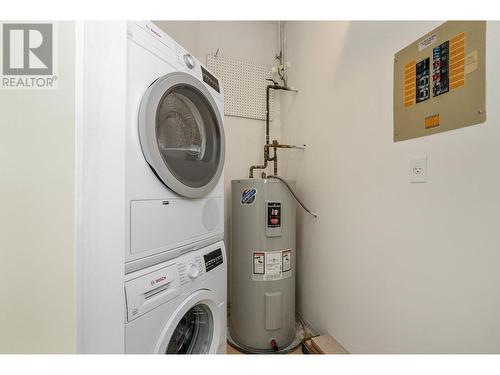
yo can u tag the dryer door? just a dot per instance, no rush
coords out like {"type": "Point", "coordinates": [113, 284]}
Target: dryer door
{"type": "Point", "coordinates": [194, 328]}
{"type": "Point", "coordinates": [181, 134]}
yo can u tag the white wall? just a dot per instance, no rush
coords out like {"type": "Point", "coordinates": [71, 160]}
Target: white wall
{"type": "Point", "coordinates": [37, 147]}
{"type": "Point", "coordinates": [255, 41]}
{"type": "Point", "coordinates": [389, 266]}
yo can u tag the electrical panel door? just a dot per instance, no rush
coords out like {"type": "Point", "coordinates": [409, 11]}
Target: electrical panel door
{"type": "Point", "coordinates": [439, 81]}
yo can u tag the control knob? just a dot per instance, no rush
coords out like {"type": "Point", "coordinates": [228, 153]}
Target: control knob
{"type": "Point", "coordinates": [189, 60]}
{"type": "Point", "coordinates": [193, 271]}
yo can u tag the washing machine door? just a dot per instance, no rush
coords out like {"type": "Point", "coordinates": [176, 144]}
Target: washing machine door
{"type": "Point", "coordinates": [181, 134]}
{"type": "Point", "coordinates": [194, 328]}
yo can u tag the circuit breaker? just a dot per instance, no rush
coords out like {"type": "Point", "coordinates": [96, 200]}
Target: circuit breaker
{"type": "Point", "coordinates": [439, 81]}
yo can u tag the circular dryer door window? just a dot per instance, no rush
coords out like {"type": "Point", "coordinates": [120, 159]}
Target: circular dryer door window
{"type": "Point", "coordinates": [193, 334]}
{"type": "Point", "coordinates": [181, 134]}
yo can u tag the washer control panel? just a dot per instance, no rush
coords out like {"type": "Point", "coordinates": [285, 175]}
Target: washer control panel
{"type": "Point", "coordinates": [151, 287]}
{"type": "Point", "coordinates": [190, 270]}
{"type": "Point", "coordinates": [273, 219]}
{"type": "Point", "coordinates": [145, 292]}
{"type": "Point", "coordinates": [213, 259]}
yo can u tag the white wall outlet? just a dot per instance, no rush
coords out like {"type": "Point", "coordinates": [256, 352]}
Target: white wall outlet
{"type": "Point", "coordinates": [418, 169]}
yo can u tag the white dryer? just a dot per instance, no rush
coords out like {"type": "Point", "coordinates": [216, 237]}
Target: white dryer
{"type": "Point", "coordinates": [178, 307]}
{"type": "Point", "coordinates": [175, 150]}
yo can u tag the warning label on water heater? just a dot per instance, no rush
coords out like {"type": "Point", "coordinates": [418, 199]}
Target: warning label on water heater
{"type": "Point", "coordinates": [258, 263]}
{"type": "Point", "coordinates": [271, 265]}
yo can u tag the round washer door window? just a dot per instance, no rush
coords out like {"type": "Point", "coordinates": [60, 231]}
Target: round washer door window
{"type": "Point", "coordinates": [181, 134]}
{"type": "Point", "coordinates": [194, 332]}
{"type": "Point", "coordinates": [194, 327]}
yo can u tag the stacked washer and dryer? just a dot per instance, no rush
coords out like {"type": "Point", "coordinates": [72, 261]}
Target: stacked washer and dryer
{"type": "Point", "coordinates": [175, 260]}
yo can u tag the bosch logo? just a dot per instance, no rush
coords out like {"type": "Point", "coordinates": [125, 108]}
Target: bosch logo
{"type": "Point", "coordinates": [154, 31]}
{"type": "Point", "coordinates": [159, 280]}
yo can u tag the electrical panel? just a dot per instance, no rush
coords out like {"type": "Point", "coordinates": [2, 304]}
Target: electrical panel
{"type": "Point", "coordinates": [439, 81]}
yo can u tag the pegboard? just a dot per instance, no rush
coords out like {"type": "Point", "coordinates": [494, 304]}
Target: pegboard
{"type": "Point", "coordinates": [244, 84]}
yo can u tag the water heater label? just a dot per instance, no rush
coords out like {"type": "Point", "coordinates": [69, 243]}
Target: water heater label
{"type": "Point", "coordinates": [271, 265]}
{"type": "Point", "coordinates": [273, 219]}
{"type": "Point", "coordinates": [248, 196]}
{"type": "Point", "coordinates": [258, 263]}
{"type": "Point", "coordinates": [286, 257]}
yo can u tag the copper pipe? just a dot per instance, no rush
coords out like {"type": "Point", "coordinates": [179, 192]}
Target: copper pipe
{"type": "Point", "coordinates": [275, 144]}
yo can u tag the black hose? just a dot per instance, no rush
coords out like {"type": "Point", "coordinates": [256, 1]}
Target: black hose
{"type": "Point", "coordinates": [295, 196]}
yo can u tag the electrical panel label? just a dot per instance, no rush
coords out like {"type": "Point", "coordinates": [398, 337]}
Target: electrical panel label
{"type": "Point", "coordinates": [248, 196]}
{"type": "Point", "coordinates": [271, 265]}
{"type": "Point", "coordinates": [423, 80]}
{"type": "Point", "coordinates": [471, 62]}
{"type": "Point", "coordinates": [440, 69]}
{"type": "Point", "coordinates": [427, 42]}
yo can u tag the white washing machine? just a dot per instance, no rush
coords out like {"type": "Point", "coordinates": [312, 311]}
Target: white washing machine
{"type": "Point", "coordinates": [175, 150]}
{"type": "Point", "coordinates": [178, 307]}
